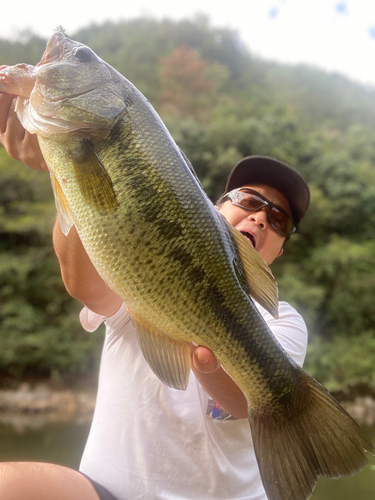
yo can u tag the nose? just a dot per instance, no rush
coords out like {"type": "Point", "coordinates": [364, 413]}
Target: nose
{"type": "Point", "coordinates": [259, 218]}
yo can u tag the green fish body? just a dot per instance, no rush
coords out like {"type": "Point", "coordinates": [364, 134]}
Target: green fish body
{"type": "Point", "coordinates": [186, 275]}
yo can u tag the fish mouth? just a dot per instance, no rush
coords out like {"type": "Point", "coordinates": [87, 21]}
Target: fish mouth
{"type": "Point", "coordinates": [250, 237]}
{"type": "Point", "coordinates": [54, 49]}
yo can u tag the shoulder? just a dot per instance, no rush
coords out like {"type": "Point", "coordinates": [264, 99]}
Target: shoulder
{"type": "Point", "coordinates": [290, 330]}
{"type": "Point", "coordinates": [288, 316]}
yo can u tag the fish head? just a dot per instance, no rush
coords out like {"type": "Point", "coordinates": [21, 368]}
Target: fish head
{"type": "Point", "coordinates": [75, 90]}
{"type": "Point", "coordinates": [69, 68]}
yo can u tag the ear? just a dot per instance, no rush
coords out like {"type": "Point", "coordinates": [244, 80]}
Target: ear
{"type": "Point", "coordinates": [281, 252]}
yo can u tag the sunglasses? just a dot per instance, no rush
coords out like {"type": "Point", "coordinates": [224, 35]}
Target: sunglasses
{"type": "Point", "coordinates": [251, 200]}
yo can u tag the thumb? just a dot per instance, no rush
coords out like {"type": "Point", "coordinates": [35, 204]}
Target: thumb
{"type": "Point", "coordinates": [203, 359]}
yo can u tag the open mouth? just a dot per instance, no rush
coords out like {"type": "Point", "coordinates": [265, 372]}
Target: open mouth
{"type": "Point", "coordinates": [250, 237]}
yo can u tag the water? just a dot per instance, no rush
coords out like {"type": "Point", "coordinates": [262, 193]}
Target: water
{"type": "Point", "coordinates": [361, 486]}
{"type": "Point", "coordinates": [60, 443]}
{"type": "Point", "coordinates": [63, 443]}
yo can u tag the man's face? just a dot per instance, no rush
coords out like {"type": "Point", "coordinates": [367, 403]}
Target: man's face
{"type": "Point", "coordinates": [268, 242]}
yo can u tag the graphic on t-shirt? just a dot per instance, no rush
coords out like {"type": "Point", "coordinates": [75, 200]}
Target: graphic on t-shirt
{"type": "Point", "coordinates": [215, 411]}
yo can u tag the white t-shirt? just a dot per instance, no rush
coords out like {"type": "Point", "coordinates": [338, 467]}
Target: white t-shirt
{"type": "Point", "coordinates": [148, 441]}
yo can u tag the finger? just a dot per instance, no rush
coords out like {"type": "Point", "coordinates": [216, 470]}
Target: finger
{"type": "Point", "coordinates": [204, 360]}
{"type": "Point", "coordinates": [12, 133]}
{"type": "Point", "coordinates": [6, 104]}
{"type": "Point", "coordinates": [11, 130]}
{"type": "Point", "coordinates": [19, 143]}
{"type": "Point", "coordinates": [32, 154]}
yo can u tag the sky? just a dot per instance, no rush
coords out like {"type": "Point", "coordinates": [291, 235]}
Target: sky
{"type": "Point", "coordinates": [334, 35]}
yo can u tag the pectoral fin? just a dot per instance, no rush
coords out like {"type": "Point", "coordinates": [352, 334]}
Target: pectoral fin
{"type": "Point", "coordinates": [261, 282]}
{"type": "Point", "coordinates": [93, 179]}
{"type": "Point", "coordinates": [65, 217]}
{"type": "Point", "coordinates": [168, 359]}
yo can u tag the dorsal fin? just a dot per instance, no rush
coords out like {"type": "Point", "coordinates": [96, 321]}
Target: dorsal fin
{"type": "Point", "coordinates": [262, 284]}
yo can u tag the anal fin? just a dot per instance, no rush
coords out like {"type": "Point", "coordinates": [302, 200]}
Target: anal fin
{"type": "Point", "coordinates": [167, 358]}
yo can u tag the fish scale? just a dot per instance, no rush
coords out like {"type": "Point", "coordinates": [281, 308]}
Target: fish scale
{"type": "Point", "coordinates": [185, 274]}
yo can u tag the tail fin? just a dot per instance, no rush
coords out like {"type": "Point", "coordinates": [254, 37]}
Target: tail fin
{"type": "Point", "coordinates": [294, 448]}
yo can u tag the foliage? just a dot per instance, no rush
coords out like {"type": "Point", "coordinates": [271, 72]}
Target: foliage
{"type": "Point", "coordinates": [135, 47]}
{"type": "Point", "coordinates": [39, 332]}
{"type": "Point", "coordinates": [189, 85]}
{"type": "Point", "coordinates": [341, 363]}
{"type": "Point", "coordinates": [220, 103]}
{"type": "Point", "coordinates": [27, 49]}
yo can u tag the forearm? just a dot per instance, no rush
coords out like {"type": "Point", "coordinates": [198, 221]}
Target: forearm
{"type": "Point", "coordinates": [217, 383]}
{"type": "Point", "coordinates": [80, 277]}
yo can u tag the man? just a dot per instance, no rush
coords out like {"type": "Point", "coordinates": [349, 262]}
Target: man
{"type": "Point", "coordinates": [149, 441]}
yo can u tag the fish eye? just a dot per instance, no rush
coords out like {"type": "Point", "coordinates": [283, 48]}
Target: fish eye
{"type": "Point", "coordinates": [84, 54]}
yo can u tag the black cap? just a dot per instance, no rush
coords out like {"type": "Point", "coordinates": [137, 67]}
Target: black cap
{"type": "Point", "coordinates": [274, 173]}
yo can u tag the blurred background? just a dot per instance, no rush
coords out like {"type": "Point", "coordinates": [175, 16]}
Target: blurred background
{"type": "Point", "coordinates": [293, 79]}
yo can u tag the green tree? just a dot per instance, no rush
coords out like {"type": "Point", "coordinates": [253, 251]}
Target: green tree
{"type": "Point", "coordinates": [39, 330]}
{"type": "Point", "coordinates": [220, 103]}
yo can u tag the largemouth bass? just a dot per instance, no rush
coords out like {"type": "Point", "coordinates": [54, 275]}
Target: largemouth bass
{"type": "Point", "coordinates": [186, 275]}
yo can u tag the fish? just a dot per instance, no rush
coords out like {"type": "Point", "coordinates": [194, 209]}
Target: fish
{"type": "Point", "coordinates": [186, 275]}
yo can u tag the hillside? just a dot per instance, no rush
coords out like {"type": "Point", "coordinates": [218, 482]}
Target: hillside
{"type": "Point", "coordinates": [220, 104]}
